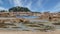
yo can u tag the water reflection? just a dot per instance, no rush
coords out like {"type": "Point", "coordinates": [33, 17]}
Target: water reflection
{"type": "Point", "coordinates": [27, 17]}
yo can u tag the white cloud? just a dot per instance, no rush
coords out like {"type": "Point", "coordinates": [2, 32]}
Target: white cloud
{"type": "Point", "coordinates": [57, 7]}
{"type": "Point", "coordinates": [29, 5]}
{"type": "Point", "coordinates": [21, 3]}
{"type": "Point", "coordinates": [17, 2]}
{"type": "Point", "coordinates": [39, 3]}
{"type": "Point", "coordinates": [2, 8]}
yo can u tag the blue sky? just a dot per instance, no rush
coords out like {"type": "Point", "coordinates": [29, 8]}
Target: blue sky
{"type": "Point", "coordinates": [33, 5]}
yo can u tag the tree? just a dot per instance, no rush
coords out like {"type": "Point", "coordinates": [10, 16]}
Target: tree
{"type": "Point", "coordinates": [3, 11]}
{"type": "Point", "coordinates": [19, 9]}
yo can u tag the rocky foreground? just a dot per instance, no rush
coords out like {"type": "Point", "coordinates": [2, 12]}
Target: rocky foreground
{"type": "Point", "coordinates": [29, 32]}
{"type": "Point", "coordinates": [23, 24]}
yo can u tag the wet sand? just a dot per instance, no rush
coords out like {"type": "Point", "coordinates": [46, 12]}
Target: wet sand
{"type": "Point", "coordinates": [29, 32]}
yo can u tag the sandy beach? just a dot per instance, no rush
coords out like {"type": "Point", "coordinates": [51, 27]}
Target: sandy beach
{"type": "Point", "coordinates": [29, 32]}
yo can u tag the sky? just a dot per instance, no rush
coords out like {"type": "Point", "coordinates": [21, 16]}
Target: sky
{"type": "Point", "coordinates": [33, 5]}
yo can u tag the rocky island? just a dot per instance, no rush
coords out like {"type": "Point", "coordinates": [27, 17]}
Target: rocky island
{"type": "Point", "coordinates": [22, 19]}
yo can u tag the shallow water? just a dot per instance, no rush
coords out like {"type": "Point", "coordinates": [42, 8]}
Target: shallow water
{"type": "Point", "coordinates": [27, 17]}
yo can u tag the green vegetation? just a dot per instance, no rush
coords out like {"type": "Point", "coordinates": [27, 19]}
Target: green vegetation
{"type": "Point", "coordinates": [19, 9]}
{"type": "Point", "coordinates": [3, 11]}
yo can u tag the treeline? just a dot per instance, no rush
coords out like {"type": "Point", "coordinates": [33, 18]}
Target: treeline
{"type": "Point", "coordinates": [17, 9]}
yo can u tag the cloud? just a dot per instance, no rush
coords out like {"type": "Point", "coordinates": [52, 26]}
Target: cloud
{"type": "Point", "coordinates": [57, 7]}
{"type": "Point", "coordinates": [2, 8]}
{"type": "Point", "coordinates": [39, 3]}
{"type": "Point", "coordinates": [22, 3]}
{"type": "Point", "coordinates": [17, 2]}
{"type": "Point", "coordinates": [29, 5]}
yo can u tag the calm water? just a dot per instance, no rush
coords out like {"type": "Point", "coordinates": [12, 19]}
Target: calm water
{"type": "Point", "coordinates": [27, 17]}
